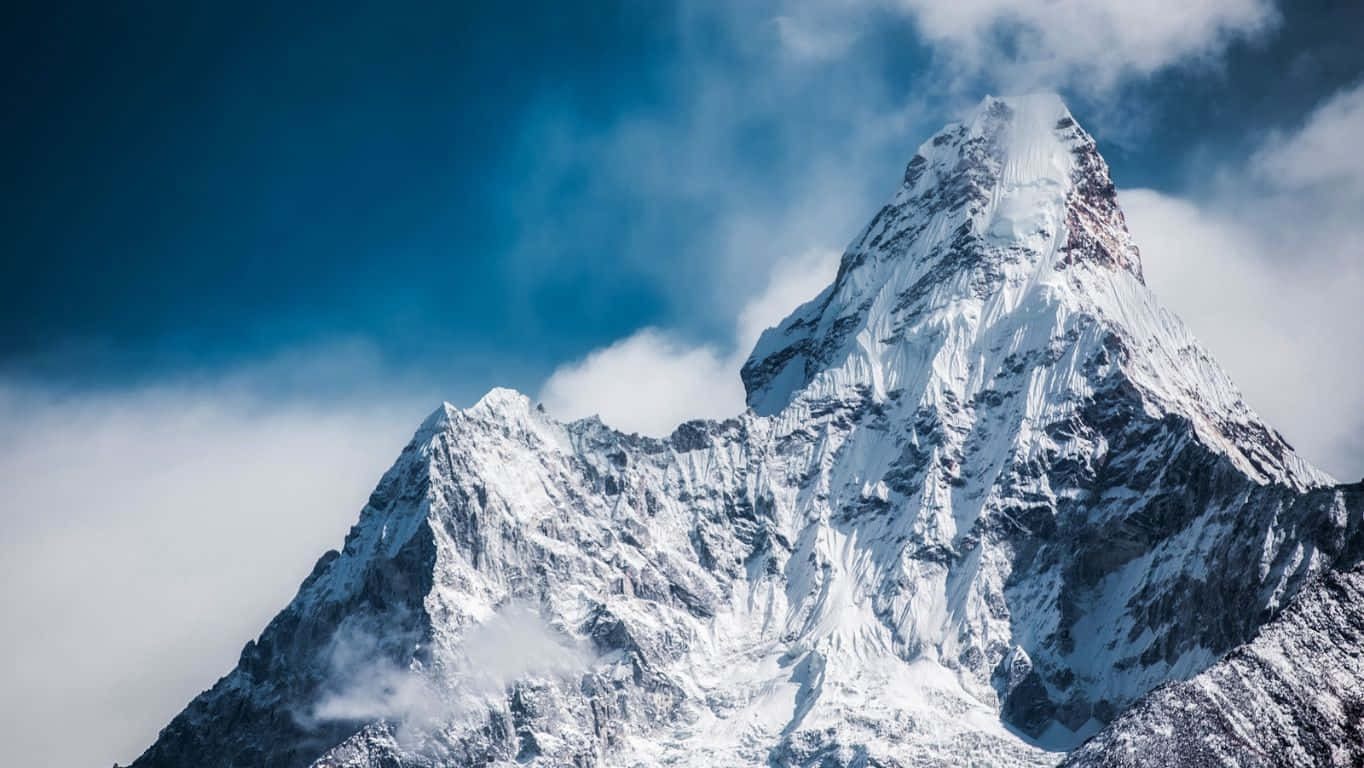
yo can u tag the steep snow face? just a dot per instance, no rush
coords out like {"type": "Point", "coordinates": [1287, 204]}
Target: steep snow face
{"type": "Point", "coordinates": [1005, 229]}
{"type": "Point", "coordinates": [982, 215]}
{"type": "Point", "coordinates": [988, 494]}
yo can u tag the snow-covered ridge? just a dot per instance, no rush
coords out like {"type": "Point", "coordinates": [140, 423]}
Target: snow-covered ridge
{"type": "Point", "coordinates": [985, 487]}
{"type": "Point", "coordinates": [1006, 228]}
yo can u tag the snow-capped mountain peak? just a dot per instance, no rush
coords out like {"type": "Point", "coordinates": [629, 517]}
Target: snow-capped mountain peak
{"type": "Point", "coordinates": [984, 489]}
{"type": "Point", "coordinates": [1006, 229]}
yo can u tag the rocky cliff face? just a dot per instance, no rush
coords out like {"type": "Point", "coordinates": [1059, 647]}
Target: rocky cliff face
{"type": "Point", "coordinates": [1294, 696]}
{"type": "Point", "coordinates": [987, 495]}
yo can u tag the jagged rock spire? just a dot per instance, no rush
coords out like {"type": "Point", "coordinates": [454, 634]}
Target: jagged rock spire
{"type": "Point", "coordinates": [1016, 190]}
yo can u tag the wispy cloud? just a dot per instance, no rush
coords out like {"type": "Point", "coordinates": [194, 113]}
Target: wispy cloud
{"type": "Point", "coordinates": [1323, 154]}
{"type": "Point", "coordinates": [1080, 44]}
{"type": "Point", "coordinates": [512, 645]}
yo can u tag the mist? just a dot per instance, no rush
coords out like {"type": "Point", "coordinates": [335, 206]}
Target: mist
{"type": "Point", "coordinates": [365, 684]}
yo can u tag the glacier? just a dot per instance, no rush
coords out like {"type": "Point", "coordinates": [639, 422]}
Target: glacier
{"type": "Point", "coordinates": [989, 504]}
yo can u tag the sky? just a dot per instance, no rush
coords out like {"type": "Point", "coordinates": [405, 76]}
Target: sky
{"type": "Point", "coordinates": [251, 246]}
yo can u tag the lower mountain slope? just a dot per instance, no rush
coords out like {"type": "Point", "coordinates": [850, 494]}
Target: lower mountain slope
{"type": "Point", "coordinates": [1294, 696]}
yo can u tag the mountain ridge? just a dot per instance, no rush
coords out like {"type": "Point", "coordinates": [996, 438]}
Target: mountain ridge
{"type": "Point", "coordinates": [987, 495]}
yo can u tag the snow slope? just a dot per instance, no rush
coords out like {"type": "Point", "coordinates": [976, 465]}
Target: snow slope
{"type": "Point", "coordinates": [986, 496]}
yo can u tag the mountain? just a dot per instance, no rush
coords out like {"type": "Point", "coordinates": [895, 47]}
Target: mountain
{"type": "Point", "coordinates": [1290, 697]}
{"type": "Point", "coordinates": [988, 500]}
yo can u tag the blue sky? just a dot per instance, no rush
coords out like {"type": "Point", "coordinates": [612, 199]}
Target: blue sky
{"type": "Point", "coordinates": [250, 246]}
{"type": "Point", "coordinates": [196, 188]}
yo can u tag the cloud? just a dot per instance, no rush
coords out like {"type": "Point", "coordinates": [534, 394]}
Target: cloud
{"type": "Point", "coordinates": [1267, 269]}
{"type": "Point", "coordinates": [1324, 152]}
{"type": "Point", "coordinates": [650, 381]}
{"type": "Point", "coordinates": [1080, 43]}
{"type": "Point", "coordinates": [760, 156]}
{"type": "Point", "coordinates": [150, 532]}
{"type": "Point", "coordinates": [513, 644]}
{"type": "Point", "coordinates": [769, 139]}
{"type": "Point", "coordinates": [816, 38]}
{"type": "Point", "coordinates": [364, 683]}
{"type": "Point", "coordinates": [791, 283]}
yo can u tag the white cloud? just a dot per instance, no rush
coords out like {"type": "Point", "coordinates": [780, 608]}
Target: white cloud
{"type": "Point", "coordinates": [513, 644]}
{"type": "Point", "coordinates": [650, 382]}
{"type": "Point", "coordinates": [363, 683]}
{"type": "Point", "coordinates": [1268, 272]}
{"type": "Point", "coordinates": [1325, 151]}
{"type": "Point", "coordinates": [517, 642]}
{"type": "Point", "coordinates": [1083, 43]}
{"type": "Point", "coordinates": [149, 534]}
{"type": "Point", "coordinates": [790, 284]}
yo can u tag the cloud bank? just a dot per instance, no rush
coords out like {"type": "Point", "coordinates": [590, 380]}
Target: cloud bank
{"type": "Point", "coordinates": [1268, 268]}
{"type": "Point", "coordinates": [150, 533]}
